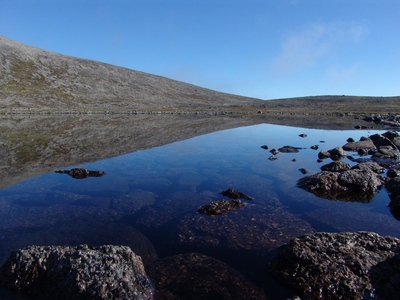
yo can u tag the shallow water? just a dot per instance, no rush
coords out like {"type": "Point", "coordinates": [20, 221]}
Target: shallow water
{"type": "Point", "coordinates": [148, 200]}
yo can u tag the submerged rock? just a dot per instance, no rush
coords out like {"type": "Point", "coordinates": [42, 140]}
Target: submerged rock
{"type": "Point", "coordinates": [360, 265]}
{"type": "Point", "coordinates": [81, 173]}
{"type": "Point", "coordinates": [81, 272]}
{"type": "Point", "coordinates": [234, 194]}
{"type": "Point", "coordinates": [197, 276]}
{"type": "Point", "coordinates": [289, 149]}
{"type": "Point", "coordinates": [221, 207]}
{"type": "Point", "coordinates": [256, 229]}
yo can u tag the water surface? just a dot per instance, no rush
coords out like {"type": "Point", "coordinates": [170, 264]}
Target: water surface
{"type": "Point", "coordinates": [149, 199]}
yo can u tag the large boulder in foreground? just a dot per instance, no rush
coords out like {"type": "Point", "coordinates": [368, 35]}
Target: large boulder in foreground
{"type": "Point", "coordinates": [196, 276]}
{"type": "Point", "coordinates": [340, 266]}
{"type": "Point", "coordinates": [81, 272]}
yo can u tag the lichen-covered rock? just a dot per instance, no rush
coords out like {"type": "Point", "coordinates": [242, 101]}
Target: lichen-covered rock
{"type": "Point", "coordinates": [197, 276]}
{"type": "Point", "coordinates": [81, 272]}
{"type": "Point", "coordinates": [340, 266]}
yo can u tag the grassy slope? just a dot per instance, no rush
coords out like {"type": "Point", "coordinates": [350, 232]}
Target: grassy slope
{"type": "Point", "coordinates": [33, 79]}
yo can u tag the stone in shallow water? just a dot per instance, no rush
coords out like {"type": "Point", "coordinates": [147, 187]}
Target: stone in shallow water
{"type": "Point", "coordinates": [81, 272]}
{"type": "Point", "coordinates": [221, 207]}
{"type": "Point", "coordinates": [234, 194]}
{"type": "Point", "coordinates": [340, 266]}
{"type": "Point", "coordinates": [197, 276]}
{"type": "Point", "coordinates": [353, 185]}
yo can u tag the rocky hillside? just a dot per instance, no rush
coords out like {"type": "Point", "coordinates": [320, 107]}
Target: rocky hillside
{"type": "Point", "coordinates": [37, 79]}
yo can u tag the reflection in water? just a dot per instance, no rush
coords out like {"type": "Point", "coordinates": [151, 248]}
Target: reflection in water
{"type": "Point", "coordinates": [81, 173]}
{"type": "Point", "coordinates": [149, 200]}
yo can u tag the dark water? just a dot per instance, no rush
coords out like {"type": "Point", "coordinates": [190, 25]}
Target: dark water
{"type": "Point", "coordinates": [148, 200]}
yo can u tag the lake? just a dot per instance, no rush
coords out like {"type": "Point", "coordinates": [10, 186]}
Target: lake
{"type": "Point", "coordinates": [148, 200]}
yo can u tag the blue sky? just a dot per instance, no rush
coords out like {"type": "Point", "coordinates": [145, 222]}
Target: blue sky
{"type": "Point", "coordinates": [265, 49]}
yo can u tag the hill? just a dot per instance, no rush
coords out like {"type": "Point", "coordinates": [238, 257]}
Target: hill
{"type": "Point", "coordinates": [36, 79]}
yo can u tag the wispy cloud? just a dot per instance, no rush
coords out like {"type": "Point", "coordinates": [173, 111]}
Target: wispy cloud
{"type": "Point", "coordinates": [307, 47]}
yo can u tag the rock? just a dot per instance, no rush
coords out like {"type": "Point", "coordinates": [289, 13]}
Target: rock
{"type": "Point", "coordinates": [81, 173]}
{"type": "Point", "coordinates": [303, 135]}
{"type": "Point", "coordinates": [363, 152]}
{"type": "Point", "coordinates": [323, 154]}
{"type": "Point", "coordinates": [359, 265]}
{"type": "Point", "coordinates": [391, 135]}
{"type": "Point", "coordinates": [393, 186]}
{"type": "Point", "coordinates": [363, 181]}
{"type": "Point", "coordinates": [221, 207]}
{"type": "Point", "coordinates": [365, 144]}
{"type": "Point", "coordinates": [272, 158]}
{"type": "Point", "coordinates": [387, 152]}
{"type": "Point", "coordinates": [393, 173]}
{"type": "Point", "coordinates": [274, 151]}
{"type": "Point", "coordinates": [337, 153]}
{"type": "Point", "coordinates": [350, 140]}
{"type": "Point", "coordinates": [381, 140]}
{"type": "Point", "coordinates": [394, 206]}
{"type": "Point", "coordinates": [315, 147]}
{"type": "Point", "coordinates": [351, 185]}
{"type": "Point", "coordinates": [289, 149]}
{"type": "Point", "coordinates": [372, 166]}
{"type": "Point", "coordinates": [197, 276]}
{"type": "Point", "coordinates": [396, 141]}
{"type": "Point", "coordinates": [234, 194]}
{"type": "Point", "coordinates": [336, 166]}
{"type": "Point", "coordinates": [303, 171]}
{"type": "Point", "coordinates": [81, 272]}
{"type": "Point", "coordinates": [264, 147]}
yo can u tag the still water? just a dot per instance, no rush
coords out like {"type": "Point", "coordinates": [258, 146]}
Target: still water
{"type": "Point", "coordinates": [149, 200]}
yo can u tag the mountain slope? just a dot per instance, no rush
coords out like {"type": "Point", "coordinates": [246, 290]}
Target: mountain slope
{"type": "Point", "coordinates": [38, 79]}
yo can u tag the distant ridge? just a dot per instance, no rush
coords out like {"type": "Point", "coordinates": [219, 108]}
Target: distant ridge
{"type": "Point", "coordinates": [32, 78]}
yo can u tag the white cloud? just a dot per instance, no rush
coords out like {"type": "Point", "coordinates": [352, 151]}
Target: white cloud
{"type": "Point", "coordinates": [309, 46]}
